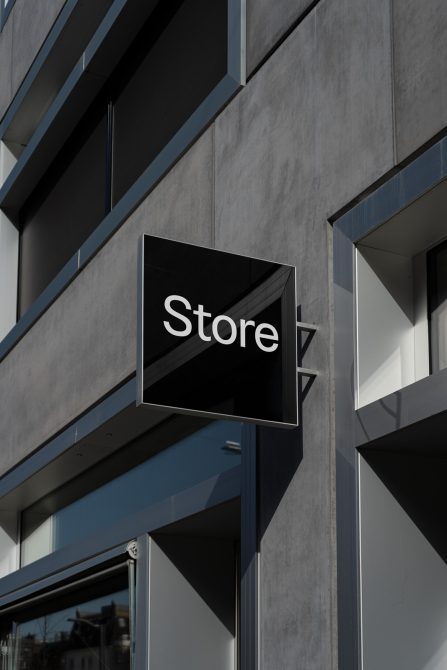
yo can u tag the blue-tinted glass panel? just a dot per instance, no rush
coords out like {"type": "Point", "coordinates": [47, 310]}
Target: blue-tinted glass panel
{"type": "Point", "coordinates": [92, 634]}
{"type": "Point", "coordinates": [203, 454]}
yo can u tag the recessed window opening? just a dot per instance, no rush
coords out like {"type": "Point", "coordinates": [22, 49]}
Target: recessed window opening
{"type": "Point", "coordinates": [403, 558]}
{"type": "Point", "coordinates": [396, 299]}
{"type": "Point", "coordinates": [66, 516]}
{"type": "Point", "coordinates": [82, 629]}
{"type": "Point", "coordinates": [177, 59]}
{"type": "Point", "coordinates": [194, 592]}
{"type": "Point", "coordinates": [392, 340]}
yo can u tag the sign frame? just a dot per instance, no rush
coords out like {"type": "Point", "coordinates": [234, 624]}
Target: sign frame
{"type": "Point", "coordinates": [169, 409]}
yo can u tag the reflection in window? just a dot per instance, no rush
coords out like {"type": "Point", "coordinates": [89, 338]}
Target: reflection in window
{"type": "Point", "coordinates": [90, 635]}
{"type": "Point", "coordinates": [207, 452]}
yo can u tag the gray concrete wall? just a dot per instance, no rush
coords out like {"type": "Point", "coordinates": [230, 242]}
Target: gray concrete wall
{"type": "Point", "coordinates": [85, 344]}
{"type": "Point", "coordinates": [420, 72]}
{"type": "Point", "coordinates": [20, 40]}
{"type": "Point", "coordinates": [310, 131]}
{"type": "Point", "coordinates": [314, 127]}
{"type": "Point", "coordinates": [267, 22]}
{"type": "Point", "coordinates": [283, 162]}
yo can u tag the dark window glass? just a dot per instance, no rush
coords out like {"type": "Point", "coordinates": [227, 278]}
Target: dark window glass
{"type": "Point", "coordinates": [187, 60]}
{"type": "Point", "coordinates": [65, 208]}
{"type": "Point", "coordinates": [73, 632]}
{"type": "Point", "coordinates": [437, 306]}
{"type": "Point", "coordinates": [197, 457]}
{"type": "Point", "coordinates": [177, 58]}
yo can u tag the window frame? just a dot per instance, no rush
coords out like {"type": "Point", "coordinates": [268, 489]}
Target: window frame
{"type": "Point", "coordinates": [79, 576]}
{"type": "Point", "coordinates": [5, 10]}
{"type": "Point", "coordinates": [111, 544]}
{"type": "Point", "coordinates": [55, 127]}
{"type": "Point", "coordinates": [107, 475]}
{"type": "Point", "coordinates": [25, 485]}
{"type": "Point", "coordinates": [379, 424]}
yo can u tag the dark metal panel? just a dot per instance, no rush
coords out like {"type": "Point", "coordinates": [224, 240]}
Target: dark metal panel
{"type": "Point", "coordinates": [399, 191]}
{"type": "Point", "coordinates": [52, 580]}
{"type": "Point", "coordinates": [346, 456]}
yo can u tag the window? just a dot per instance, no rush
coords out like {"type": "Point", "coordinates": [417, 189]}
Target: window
{"type": "Point", "coordinates": [401, 315]}
{"type": "Point", "coordinates": [187, 567]}
{"type": "Point", "coordinates": [392, 336]}
{"type": "Point", "coordinates": [401, 287]}
{"type": "Point", "coordinates": [76, 629]}
{"type": "Point", "coordinates": [65, 208]}
{"type": "Point", "coordinates": [178, 57]}
{"type": "Point", "coordinates": [67, 516]}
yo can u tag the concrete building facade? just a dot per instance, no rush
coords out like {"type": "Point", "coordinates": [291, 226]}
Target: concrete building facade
{"type": "Point", "coordinates": [305, 133]}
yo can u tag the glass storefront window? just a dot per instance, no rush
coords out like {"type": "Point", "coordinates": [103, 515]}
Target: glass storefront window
{"type": "Point", "coordinates": [199, 456]}
{"type": "Point", "coordinates": [75, 633]}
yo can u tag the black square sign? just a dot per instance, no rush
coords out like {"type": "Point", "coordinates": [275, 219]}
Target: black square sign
{"type": "Point", "coordinates": [217, 334]}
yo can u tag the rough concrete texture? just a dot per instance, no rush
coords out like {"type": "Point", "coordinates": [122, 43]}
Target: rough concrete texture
{"type": "Point", "coordinates": [355, 133]}
{"type": "Point", "coordinates": [22, 36]}
{"type": "Point", "coordinates": [267, 22]}
{"type": "Point", "coordinates": [420, 72]}
{"type": "Point", "coordinates": [5, 66]}
{"type": "Point", "coordinates": [85, 344]}
{"type": "Point", "coordinates": [266, 187]}
{"type": "Point", "coordinates": [32, 20]}
{"type": "Point", "coordinates": [309, 132]}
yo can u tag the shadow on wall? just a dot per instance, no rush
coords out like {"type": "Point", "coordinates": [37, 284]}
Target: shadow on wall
{"type": "Point", "coordinates": [416, 479]}
{"type": "Point", "coordinates": [275, 474]}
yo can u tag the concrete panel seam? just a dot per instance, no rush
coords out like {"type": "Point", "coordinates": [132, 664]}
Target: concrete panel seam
{"type": "Point", "coordinates": [283, 38]}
